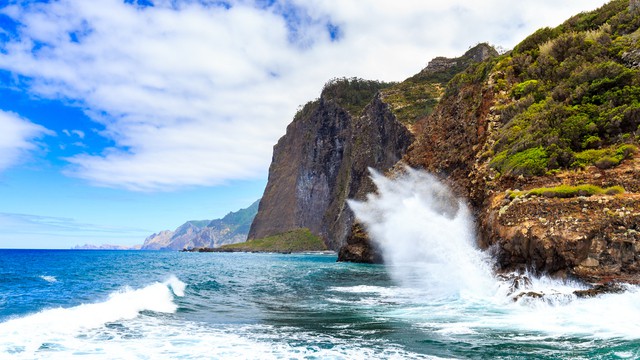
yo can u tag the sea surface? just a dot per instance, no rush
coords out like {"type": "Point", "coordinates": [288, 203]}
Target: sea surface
{"type": "Point", "coordinates": [63, 304]}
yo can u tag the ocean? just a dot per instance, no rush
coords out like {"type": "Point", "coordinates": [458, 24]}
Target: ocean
{"type": "Point", "coordinates": [63, 304]}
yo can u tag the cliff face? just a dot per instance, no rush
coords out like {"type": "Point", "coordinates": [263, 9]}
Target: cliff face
{"type": "Point", "coordinates": [322, 160]}
{"type": "Point", "coordinates": [542, 141]}
{"type": "Point", "coordinates": [324, 157]}
{"type": "Point", "coordinates": [231, 229]}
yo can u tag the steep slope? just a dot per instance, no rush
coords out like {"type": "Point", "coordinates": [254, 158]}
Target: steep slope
{"type": "Point", "coordinates": [231, 229]}
{"type": "Point", "coordinates": [533, 138]}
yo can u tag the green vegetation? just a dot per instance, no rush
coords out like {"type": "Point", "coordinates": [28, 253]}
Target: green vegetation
{"type": "Point", "coordinates": [567, 191]}
{"type": "Point", "coordinates": [353, 94]}
{"type": "Point", "coordinates": [416, 97]}
{"type": "Point", "coordinates": [290, 241]}
{"type": "Point", "coordinates": [604, 158]}
{"type": "Point", "coordinates": [528, 162]}
{"type": "Point", "coordinates": [570, 95]}
{"type": "Point", "coordinates": [412, 100]}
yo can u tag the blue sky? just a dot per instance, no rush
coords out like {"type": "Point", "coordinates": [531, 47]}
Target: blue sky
{"type": "Point", "coordinates": [123, 118]}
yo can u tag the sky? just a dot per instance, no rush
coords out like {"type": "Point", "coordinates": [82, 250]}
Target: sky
{"type": "Point", "coordinates": [119, 119]}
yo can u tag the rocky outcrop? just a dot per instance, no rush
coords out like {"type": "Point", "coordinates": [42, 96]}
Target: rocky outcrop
{"type": "Point", "coordinates": [322, 161]}
{"type": "Point", "coordinates": [443, 65]}
{"type": "Point", "coordinates": [359, 248]}
{"type": "Point", "coordinates": [595, 238]}
{"type": "Point", "coordinates": [231, 229]}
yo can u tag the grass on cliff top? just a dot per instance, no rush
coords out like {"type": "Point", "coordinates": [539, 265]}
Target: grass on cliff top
{"type": "Point", "coordinates": [412, 101]}
{"type": "Point", "coordinates": [567, 191]}
{"type": "Point", "coordinates": [416, 97]}
{"type": "Point", "coordinates": [291, 241]}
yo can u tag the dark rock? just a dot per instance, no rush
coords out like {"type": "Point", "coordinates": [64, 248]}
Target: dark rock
{"type": "Point", "coordinates": [516, 281]}
{"type": "Point", "coordinates": [528, 294]}
{"type": "Point", "coordinates": [359, 248]}
{"type": "Point", "coordinates": [607, 288]}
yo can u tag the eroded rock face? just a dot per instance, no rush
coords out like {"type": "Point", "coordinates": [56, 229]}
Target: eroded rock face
{"type": "Point", "coordinates": [594, 238]}
{"type": "Point", "coordinates": [359, 249]}
{"type": "Point", "coordinates": [321, 162]}
{"type": "Point", "coordinates": [304, 171]}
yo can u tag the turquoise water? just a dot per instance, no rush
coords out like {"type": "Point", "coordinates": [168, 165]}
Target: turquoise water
{"type": "Point", "coordinates": [150, 305]}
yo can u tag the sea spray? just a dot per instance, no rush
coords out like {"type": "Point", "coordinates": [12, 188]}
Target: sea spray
{"type": "Point", "coordinates": [426, 235]}
{"type": "Point", "coordinates": [427, 239]}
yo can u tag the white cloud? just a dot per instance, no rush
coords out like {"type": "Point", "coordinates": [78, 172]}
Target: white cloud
{"type": "Point", "coordinates": [17, 138]}
{"type": "Point", "coordinates": [198, 95]}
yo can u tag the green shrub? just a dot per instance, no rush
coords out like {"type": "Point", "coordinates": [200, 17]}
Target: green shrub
{"type": "Point", "coordinates": [591, 142]}
{"type": "Point", "coordinates": [604, 158]}
{"type": "Point", "coordinates": [568, 191]}
{"type": "Point", "coordinates": [525, 88]}
{"type": "Point", "coordinates": [529, 162]}
{"type": "Point", "coordinates": [606, 162]}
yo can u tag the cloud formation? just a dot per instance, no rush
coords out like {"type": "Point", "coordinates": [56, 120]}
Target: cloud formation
{"type": "Point", "coordinates": [18, 137]}
{"type": "Point", "coordinates": [196, 93]}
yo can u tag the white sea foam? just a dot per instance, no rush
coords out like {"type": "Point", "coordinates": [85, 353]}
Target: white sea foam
{"type": "Point", "coordinates": [428, 242]}
{"type": "Point", "coordinates": [156, 338]}
{"type": "Point", "coordinates": [48, 278]}
{"type": "Point", "coordinates": [27, 335]}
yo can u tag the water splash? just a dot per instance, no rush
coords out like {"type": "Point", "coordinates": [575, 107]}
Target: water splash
{"type": "Point", "coordinates": [30, 333]}
{"type": "Point", "coordinates": [427, 239]}
{"type": "Point", "coordinates": [426, 235]}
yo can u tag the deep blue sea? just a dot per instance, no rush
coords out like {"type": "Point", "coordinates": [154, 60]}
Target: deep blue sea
{"type": "Point", "coordinates": [155, 305]}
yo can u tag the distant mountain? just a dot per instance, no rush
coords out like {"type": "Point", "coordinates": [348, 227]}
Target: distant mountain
{"type": "Point", "coordinates": [105, 247]}
{"type": "Point", "coordinates": [231, 229]}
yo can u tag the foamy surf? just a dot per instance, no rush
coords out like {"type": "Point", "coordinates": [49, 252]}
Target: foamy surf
{"type": "Point", "coordinates": [27, 336]}
{"type": "Point", "coordinates": [428, 243]}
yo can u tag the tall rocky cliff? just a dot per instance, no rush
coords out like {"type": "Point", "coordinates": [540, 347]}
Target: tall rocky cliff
{"type": "Point", "coordinates": [322, 160]}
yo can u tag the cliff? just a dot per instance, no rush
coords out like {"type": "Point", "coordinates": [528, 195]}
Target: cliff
{"type": "Point", "coordinates": [542, 142]}
{"type": "Point", "coordinates": [231, 229]}
{"type": "Point", "coordinates": [322, 160]}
